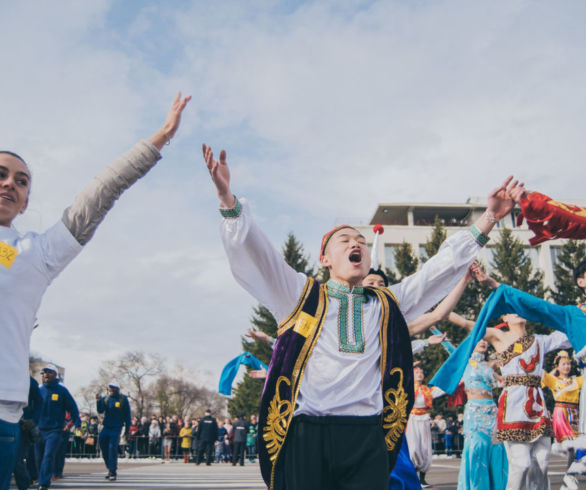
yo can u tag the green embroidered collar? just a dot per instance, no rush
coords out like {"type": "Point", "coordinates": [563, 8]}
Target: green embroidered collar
{"type": "Point", "coordinates": [341, 288]}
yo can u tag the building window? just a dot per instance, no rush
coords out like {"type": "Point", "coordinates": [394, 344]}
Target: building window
{"type": "Point", "coordinates": [555, 251]}
{"type": "Point", "coordinates": [422, 253]}
{"type": "Point", "coordinates": [390, 255]}
{"type": "Point", "coordinates": [533, 253]}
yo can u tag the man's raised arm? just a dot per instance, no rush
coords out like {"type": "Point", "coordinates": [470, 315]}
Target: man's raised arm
{"type": "Point", "coordinates": [439, 275]}
{"type": "Point", "coordinates": [256, 265]}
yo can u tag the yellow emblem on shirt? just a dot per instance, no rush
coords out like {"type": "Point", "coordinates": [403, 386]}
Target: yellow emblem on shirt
{"type": "Point", "coordinates": [7, 255]}
{"type": "Point", "coordinates": [517, 348]}
{"type": "Point", "coordinates": [117, 404]}
{"type": "Point", "coordinates": [304, 324]}
{"type": "Point", "coordinates": [55, 397]}
{"type": "Point", "coordinates": [474, 363]}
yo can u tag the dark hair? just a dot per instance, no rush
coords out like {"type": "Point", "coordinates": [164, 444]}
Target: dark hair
{"type": "Point", "coordinates": [379, 272]}
{"type": "Point", "coordinates": [15, 155]}
{"type": "Point", "coordinates": [579, 271]}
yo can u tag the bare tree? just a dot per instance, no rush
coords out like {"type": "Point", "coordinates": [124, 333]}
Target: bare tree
{"type": "Point", "coordinates": [175, 395]}
{"type": "Point", "coordinates": [133, 370]}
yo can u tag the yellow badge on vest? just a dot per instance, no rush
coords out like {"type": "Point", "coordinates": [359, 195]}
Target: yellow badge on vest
{"type": "Point", "coordinates": [117, 404]}
{"type": "Point", "coordinates": [55, 397]}
{"type": "Point", "coordinates": [305, 324]}
{"type": "Point", "coordinates": [7, 255]}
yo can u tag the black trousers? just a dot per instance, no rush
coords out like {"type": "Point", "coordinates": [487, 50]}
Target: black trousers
{"type": "Point", "coordinates": [334, 453]}
{"type": "Point", "coordinates": [238, 453]}
{"type": "Point", "coordinates": [206, 448]}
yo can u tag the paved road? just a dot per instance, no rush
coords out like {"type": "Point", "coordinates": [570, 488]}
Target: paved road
{"type": "Point", "coordinates": [176, 475]}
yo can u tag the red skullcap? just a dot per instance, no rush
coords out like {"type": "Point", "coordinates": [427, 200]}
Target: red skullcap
{"type": "Point", "coordinates": [326, 239]}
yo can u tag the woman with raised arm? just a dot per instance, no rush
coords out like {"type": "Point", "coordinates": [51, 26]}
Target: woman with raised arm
{"type": "Point", "coordinates": [523, 421]}
{"type": "Point", "coordinates": [30, 262]}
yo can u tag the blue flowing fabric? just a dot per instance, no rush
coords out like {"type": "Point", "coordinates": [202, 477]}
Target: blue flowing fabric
{"type": "Point", "coordinates": [570, 320]}
{"type": "Point", "coordinates": [231, 369]}
{"type": "Point", "coordinates": [446, 344]}
{"type": "Point", "coordinates": [404, 475]}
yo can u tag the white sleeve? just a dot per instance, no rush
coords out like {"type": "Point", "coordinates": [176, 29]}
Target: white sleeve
{"type": "Point", "coordinates": [258, 267]}
{"type": "Point", "coordinates": [437, 277]}
{"type": "Point", "coordinates": [58, 247]}
{"type": "Point", "coordinates": [91, 205]}
{"type": "Point", "coordinates": [418, 346]}
{"type": "Point", "coordinates": [554, 341]}
{"type": "Point", "coordinates": [437, 392]}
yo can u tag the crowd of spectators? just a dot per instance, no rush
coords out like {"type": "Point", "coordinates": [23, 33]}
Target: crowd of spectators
{"type": "Point", "coordinates": [446, 434]}
{"type": "Point", "coordinates": [170, 437]}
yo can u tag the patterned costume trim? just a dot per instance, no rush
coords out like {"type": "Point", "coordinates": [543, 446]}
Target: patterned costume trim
{"type": "Point", "coordinates": [512, 351]}
{"type": "Point", "coordinates": [286, 324]}
{"type": "Point", "coordinates": [275, 430]}
{"type": "Point", "coordinates": [530, 380]}
{"type": "Point", "coordinates": [395, 411]}
{"type": "Point", "coordinates": [420, 411]}
{"type": "Point", "coordinates": [520, 431]}
{"type": "Point", "coordinates": [298, 370]}
{"type": "Point", "coordinates": [233, 212]}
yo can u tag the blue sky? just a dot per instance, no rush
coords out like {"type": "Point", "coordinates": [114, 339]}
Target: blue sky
{"type": "Point", "coordinates": [325, 108]}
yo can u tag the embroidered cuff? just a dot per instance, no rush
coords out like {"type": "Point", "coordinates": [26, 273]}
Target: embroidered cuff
{"type": "Point", "coordinates": [233, 212]}
{"type": "Point", "coordinates": [480, 237]}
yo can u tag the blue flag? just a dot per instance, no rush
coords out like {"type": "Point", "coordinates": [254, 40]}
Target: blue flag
{"type": "Point", "coordinates": [231, 369]}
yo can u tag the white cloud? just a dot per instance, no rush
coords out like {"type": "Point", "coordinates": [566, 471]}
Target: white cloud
{"type": "Point", "coordinates": [325, 108]}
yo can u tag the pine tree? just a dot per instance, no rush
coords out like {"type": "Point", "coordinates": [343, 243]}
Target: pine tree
{"type": "Point", "coordinates": [570, 255]}
{"type": "Point", "coordinates": [247, 393]}
{"type": "Point", "coordinates": [434, 242]}
{"type": "Point", "coordinates": [406, 261]}
{"type": "Point", "coordinates": [511, 265]}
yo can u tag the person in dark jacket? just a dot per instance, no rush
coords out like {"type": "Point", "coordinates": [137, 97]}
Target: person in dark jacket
{"type": "Point", "coordinates": [29, 434]}
{"type": "Point", "coordinates": [55, 401]}
{"type": "Point", "coordinates": [207, 433]}
{"type": "Point", "coordinates": [239, 430]}
{"type": "Point", "coordinates": [116, 410]}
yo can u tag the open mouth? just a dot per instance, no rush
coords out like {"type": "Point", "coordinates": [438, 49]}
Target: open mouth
{"type": "Point", "coordinates": [355, 257]}
{"type": "Point", "coordinates": [7, 197]}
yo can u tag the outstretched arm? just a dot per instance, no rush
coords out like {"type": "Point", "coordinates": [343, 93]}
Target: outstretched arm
{"type": "Point", "coordinates": [258, 335]}
{"type": "Point", "coordinates": [492, 334]}
{"type": "Point", "coordinates": [440, 274]}
{"type": "Point", "coordinates": [91, 205]}
{"type": "Point", "coordinates": [441, 311]}
{"type": "Point", "coordinates": [482, 277]}
{"type": "Point", "coordinates": [256, 265]}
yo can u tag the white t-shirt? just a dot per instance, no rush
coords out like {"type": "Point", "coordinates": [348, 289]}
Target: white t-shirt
{"type": "Point", "coordinates": [28, 264]}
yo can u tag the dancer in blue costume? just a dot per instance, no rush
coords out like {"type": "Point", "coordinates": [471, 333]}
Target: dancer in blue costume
{"type": "Point", "coordinates": [484, 462]}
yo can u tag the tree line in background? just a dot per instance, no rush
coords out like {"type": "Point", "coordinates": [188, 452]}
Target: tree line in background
{"type": "Point", "coordinates": [510, 264]}
{"type": "Point", "coordinates": [150, 388]}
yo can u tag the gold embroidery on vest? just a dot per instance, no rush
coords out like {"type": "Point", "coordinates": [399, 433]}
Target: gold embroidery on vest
{"type": "Point", "coordinates": [395, 411]}
{"type": "Point", "coordinates": [278, 416]}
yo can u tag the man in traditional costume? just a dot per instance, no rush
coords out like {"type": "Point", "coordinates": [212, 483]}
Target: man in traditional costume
{"type": "Point", "coordinates": [342, 363]}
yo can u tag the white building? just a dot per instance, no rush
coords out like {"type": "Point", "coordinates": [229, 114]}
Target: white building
{"type": "Point", "coordinates": [413, 223]}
